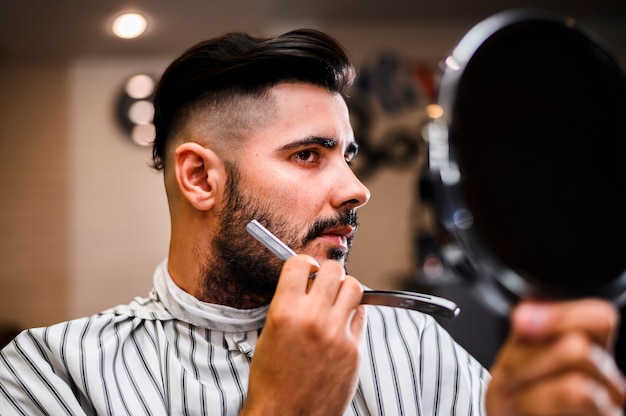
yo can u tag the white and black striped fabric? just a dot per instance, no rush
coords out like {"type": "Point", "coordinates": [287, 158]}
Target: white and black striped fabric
{"type": "Point", "coordinates": [170, 354]}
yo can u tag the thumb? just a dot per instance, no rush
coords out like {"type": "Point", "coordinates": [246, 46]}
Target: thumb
{"type": "Point", "coordinates": [531, 319]}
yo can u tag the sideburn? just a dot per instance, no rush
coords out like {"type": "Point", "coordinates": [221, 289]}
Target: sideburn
{"type": "Point", "coordinates": [243, 274]}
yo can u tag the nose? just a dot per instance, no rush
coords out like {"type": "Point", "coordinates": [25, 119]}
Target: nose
{"type": "Point", "coordinates": [349, 190]}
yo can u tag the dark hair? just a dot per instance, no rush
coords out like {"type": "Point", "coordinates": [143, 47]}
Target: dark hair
{"type": "Point", "coordinates": [238, 64]}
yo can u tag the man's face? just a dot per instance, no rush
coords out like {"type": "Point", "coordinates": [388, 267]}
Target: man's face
{"type": "Point", "coordinates": [293, 176]}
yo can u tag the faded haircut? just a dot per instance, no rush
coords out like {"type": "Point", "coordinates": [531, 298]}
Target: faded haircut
{"type": "Point", "coordinates": [218, 73]}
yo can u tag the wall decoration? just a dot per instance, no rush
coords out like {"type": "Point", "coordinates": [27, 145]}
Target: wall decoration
{"type": "Point", "coordinates": [135, 109]}
{"type": "Point", "coordinates": [387, 105]}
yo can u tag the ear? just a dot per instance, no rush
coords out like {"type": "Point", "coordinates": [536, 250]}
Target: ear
{"type": "Point", "coordinates": [199, 173]}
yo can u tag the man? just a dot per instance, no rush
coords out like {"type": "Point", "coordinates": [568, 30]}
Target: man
{"type": "Point", "coordinates": [257, 129]}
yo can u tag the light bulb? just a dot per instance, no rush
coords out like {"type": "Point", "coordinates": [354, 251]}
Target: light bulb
{"type": "Point", "coordinates": [129, 25]}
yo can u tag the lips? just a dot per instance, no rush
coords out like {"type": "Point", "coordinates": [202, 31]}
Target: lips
{"type": "Point", "coordinates": [338, 236]}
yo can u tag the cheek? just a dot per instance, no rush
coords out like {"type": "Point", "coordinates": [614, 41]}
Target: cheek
{"type": "Point", "coordinates": [291, 192]}
{"type": "Point", "coordinates": [294, 199]}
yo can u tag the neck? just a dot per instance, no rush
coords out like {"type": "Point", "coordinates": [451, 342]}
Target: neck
{"type": "Point", "coordinates": [213, 281]}
{"type": "Point", "coordinates": [224, 289]}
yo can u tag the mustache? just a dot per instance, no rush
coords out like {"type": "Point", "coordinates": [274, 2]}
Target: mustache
{"type": "Point", "coordinates": [345, 218]}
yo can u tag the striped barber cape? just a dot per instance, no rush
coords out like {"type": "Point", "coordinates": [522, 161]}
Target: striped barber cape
{"type": "Point", "coordinates": [170, 354]}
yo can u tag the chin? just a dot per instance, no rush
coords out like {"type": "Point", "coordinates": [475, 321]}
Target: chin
{"type": "Point", "coordinates": [339, 254]}
{"type": "Point", "coordinates": [321, 260]}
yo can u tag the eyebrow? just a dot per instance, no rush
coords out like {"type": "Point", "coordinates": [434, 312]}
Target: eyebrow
{"type": "Point", "coordinates": [352, 147]}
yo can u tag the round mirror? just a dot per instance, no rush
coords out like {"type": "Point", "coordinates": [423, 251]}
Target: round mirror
{"type": "Point", "coordinates": [529, 161]}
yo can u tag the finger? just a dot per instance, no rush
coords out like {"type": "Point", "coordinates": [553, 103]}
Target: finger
{"type": "Point", "coordinates": [327, 282]}
{"type": "Point", "coordinates": [541, 320]}
{"type": "Point", "coordinates": [527, 363]}
{"type": "Point", "coordinates": [294, 276]}
{"type": "Point", "coordinates": [349, 296]}
{"type": "Point", "coordinates": [566, 394]}
{"type": "Point", "coordinates": [350, 292]}
{"type": "Point", "coordinates": [357, 324]}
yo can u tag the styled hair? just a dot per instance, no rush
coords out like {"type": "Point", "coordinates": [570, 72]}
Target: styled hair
{"type": "Point", "coordinates": [238, 65]}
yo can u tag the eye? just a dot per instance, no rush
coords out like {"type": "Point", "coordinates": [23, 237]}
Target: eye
{"type": "Point", "coordinates": [308, 156]}
{"type": "Point", "coordinates": [352, 151]}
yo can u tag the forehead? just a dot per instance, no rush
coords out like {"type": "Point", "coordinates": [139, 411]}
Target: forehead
{"type": "Point", "coordinates": [300, 110]}
{"type": "Point", "coordinates": [300, 92]}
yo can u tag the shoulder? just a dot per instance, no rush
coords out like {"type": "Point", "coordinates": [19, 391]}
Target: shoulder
{"type": "Point", "coordinates": [408, 351]}
{"type": "Point", "coordinates": [420, 338]}
{"type": "Point", "coordinates": [383, 319]}
{"type": "Point", "coordinates": [100, 331]}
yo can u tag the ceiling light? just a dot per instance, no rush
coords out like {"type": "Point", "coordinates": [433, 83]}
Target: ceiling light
{"type": "Point", "coordinates": [129, 25]}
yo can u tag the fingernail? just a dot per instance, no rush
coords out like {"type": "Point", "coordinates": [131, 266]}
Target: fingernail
{"type": "Point", "coordinates": [530, 318]}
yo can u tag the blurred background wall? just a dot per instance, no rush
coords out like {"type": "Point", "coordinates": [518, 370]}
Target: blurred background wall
{"type": "Point", "coordinates": [83, 219]}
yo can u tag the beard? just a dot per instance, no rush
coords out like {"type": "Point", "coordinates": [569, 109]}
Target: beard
{"type": "Point", "coordinates": [241, 272]}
